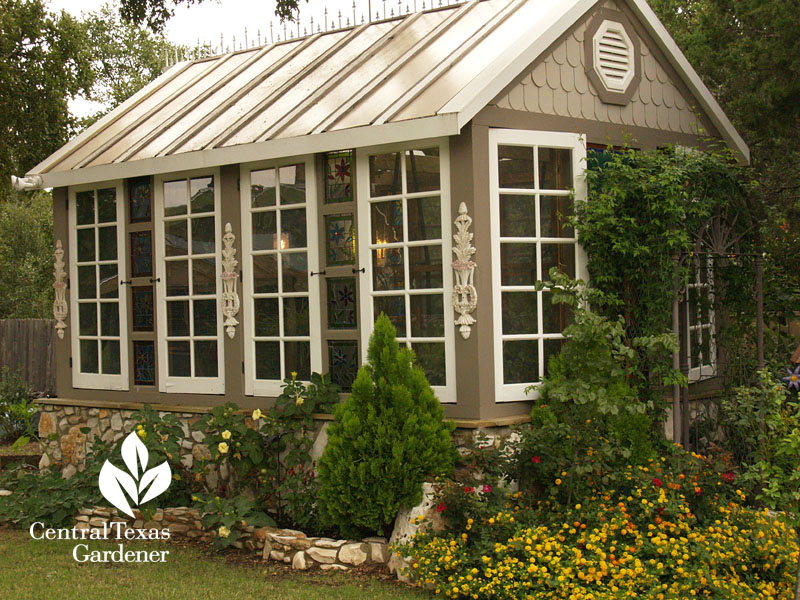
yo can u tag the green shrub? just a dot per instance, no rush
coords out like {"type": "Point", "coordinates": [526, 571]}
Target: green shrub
{"type": "Point", "coordinates": [16, 406]}
{"type": "Point", "coordinates": [589, 421]}
{"type": "Point", "coordinates": [47, 496]}
{"type": "Point", "coordinates": [386, 439]}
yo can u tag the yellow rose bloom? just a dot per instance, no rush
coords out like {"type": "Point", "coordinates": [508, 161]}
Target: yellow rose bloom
{"type": "Point", "coordinates": [223, 448]}
{"type": "Point", "coordinates": [226, 435]}
{"type": "Point", "coordinates": [224, 532]}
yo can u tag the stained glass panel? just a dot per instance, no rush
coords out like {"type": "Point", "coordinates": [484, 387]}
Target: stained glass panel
{"type": "Point", "coordinates": [340, 241]}
{"type": "Point", "coordinates": [144, 363]}
{"type": "Point", "coordinates": [338, 177]}
{"type": "Point", "coordinates": [141, 254]}
{"type": "Point", "coordinates": [343, 363]}
{"type": "Point", "coordinates": [142, 308]}
{"type": "Point", "coordinates": [342, 303]}
{"type": "Point", "coordinates": [140, 194]}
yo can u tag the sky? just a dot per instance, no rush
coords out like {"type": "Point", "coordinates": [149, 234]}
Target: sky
{"type": "Point", "coordinates": [210, 19]}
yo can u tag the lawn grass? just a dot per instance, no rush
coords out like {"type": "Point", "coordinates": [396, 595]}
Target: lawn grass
{"type": "Point", "coordinates": [45, 569]}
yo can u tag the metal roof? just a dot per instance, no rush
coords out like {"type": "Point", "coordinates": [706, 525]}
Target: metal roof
{"type": "Point", "coordinates": [412, 77]}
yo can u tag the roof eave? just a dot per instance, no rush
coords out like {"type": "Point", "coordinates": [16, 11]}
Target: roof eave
{"type": "Point", "coordinates": [359, 137]}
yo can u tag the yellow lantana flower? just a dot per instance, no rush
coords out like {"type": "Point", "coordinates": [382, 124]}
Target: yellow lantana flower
{"type": "Point", "coordinates": [223, 448]}
{"type": "Point", "coordinates": [224, 532]}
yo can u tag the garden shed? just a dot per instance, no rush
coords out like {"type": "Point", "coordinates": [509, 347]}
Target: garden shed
{"type": "Point", "coordinates": [247, 216]}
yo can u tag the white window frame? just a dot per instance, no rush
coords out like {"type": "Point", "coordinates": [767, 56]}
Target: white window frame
{"type": "Point", "coordinates": [99, 381]}
{"type": "Point", "coordinates": [447, 392]}
{"type": "Point", "coordinates": [515, 392]}
{"type": "Point", "coordinates": [173, 384]}
{"type": "Point", "coordinates": [274, 387]}
{"type": "Point", "coordinates": [709, 369]}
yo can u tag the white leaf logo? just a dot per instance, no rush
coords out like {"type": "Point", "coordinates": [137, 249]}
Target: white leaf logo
{"type": "Point", "coordinates": [115, 483]}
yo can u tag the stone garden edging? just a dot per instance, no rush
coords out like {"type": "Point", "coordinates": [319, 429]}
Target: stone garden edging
{"type": "Point", "coordinates": [271, 543]}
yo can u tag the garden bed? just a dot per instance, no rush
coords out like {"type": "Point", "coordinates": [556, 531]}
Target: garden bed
{"type": "Point", "coordinates": [270, 543]}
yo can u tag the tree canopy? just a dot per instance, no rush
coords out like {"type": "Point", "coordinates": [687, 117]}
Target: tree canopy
{"type": "Point", "coordinates": [45, 61]}
{"type": "Point", "coordinates": [156, 13]}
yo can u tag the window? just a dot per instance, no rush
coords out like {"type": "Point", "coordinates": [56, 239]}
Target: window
{"type": "Point", "coordinates": [279, 245]}
{"type": "Point", "coordinates": [404, 228]}
{"type": "Point", "coordinates": [699, 319]}
{"type": "Point", "coordinates": [188, 235]}
{"type": "Point", "coordinates": [99, 345]}
{"type": "Point", "coordinates": [535, 178]}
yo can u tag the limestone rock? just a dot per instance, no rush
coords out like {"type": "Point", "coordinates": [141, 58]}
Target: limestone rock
{"type": "Point", "coordinates": [69, 471]}
{"type": "Point", "coordinates": [46, 424]}
{"type": "Point", "coordinates": [44, 462]}
{"type": "Point", "coordinates": [201, 452]}
{"type": "Point", "coordinates": [322, 555]}
{"type": "Point", "coordinates": [267, 550]}
{"type": "Point", "coordinates": [379, 552]}
{"type": "Point", "coordinates": [329, 543]}
{"type": "Point", "coordinates": [299, 561]}
{"type": "Point", "coordinates": [404, 529]}
{"type": "Point", "coordinates": [116, 422]}
{"type": "Point", "coordinates": [319, 443]}
{"type": "Point", "coordinates": [334, 567]}
{"type": "Point", "coordinates": [276, 555]}
{"type": "Point", "coordinates": [73, 446]}
{"type": "Point", "coordinates": [353, 554]}
{"type": "Point", "coordinates": [5, 493]}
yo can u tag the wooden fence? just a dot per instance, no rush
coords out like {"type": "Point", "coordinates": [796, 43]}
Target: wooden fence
{"type": "Point", "coordinates": [28, 347]}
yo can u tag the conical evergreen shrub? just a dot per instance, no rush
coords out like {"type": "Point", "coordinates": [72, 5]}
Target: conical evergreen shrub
{"type": "Point", "coordinates": [386, 439]}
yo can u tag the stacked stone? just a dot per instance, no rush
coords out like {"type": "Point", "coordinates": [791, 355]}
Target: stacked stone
{"type": "Point", "coordinates": [303, 552]}
{"type": "Point", "coordinates": [110, 425]}
{"type": "Point", "coordinates": [283, 545]}
{"type": "Point", "coordinates": [181, 522]}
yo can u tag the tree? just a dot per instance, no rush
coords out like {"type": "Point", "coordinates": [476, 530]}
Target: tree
{"type": "Point", "coordinates": [26, 256]}
{"type": "Point", "coordinates": [45, 61]}
{"type": "Point", "coordinates": [748, 53]}
{"type": "Point", "coordinates": [127, 57]}
{"type": "Point", "coordinates": [156, 13]}
{"type": "Point", "coordinates": [385, 440]}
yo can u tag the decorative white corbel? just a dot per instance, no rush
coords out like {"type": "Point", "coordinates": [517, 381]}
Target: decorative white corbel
{"type": "Point", "coordinates": [60, 288]}
{"type": "Point", "coordinates": [465, 296]}
{"type": "Point", "coordinates": [230, 297]}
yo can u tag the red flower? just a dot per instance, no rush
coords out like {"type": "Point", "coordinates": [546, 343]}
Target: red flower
{"type": "Point", "coordinates": [536, 459]}
{"type": "Point", "coordinates": [729, 477]}
{"type": "Point", "coordinates": [656, 482]}
{"type": "Point", "coordinates": [661, 510]}
{"type": "Point", "coordinates": [487, 489]}
{"type": "Point", "coordinates": [469, 490]}
{"type": "Point", "coordinates": [441, 507]}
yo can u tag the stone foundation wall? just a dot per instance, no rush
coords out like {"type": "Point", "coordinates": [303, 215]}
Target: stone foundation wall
{"type": "Point", "coordinates": [110, 424]}
{"type": "Point", "coordinates": [282, 545]}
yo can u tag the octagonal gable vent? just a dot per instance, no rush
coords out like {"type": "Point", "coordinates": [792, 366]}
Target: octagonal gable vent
{"type": "Point", "coordinates": [614, 56]}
